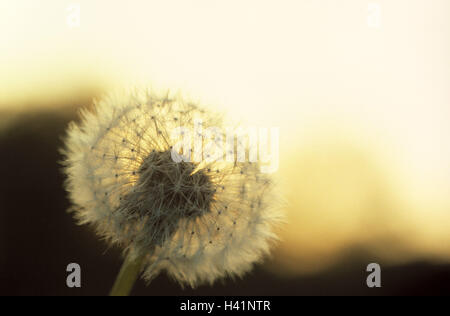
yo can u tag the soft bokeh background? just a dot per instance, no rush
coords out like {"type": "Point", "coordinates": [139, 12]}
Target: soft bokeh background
{"type": "Point", "coordinates": [363, 113]}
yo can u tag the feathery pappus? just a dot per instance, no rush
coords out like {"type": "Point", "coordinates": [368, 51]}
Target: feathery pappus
{"type": "Point", "coordinates": [198, 220]}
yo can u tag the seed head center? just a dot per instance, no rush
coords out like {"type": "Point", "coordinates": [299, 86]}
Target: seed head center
{"type": "Point", "coordinates": [172, 188]}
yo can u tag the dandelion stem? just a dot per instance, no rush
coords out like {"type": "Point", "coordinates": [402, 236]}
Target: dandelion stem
{"type": "Point", "coordinates": [127, 276]}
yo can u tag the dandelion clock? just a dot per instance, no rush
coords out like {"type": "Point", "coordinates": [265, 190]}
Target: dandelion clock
{"type": "Point", "coordinates": [153, 175]}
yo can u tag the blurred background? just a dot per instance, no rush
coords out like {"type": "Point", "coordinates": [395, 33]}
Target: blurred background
{"type": "Point", "coordinates": [359, 90]}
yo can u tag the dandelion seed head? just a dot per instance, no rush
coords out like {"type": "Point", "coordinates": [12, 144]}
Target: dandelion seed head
{"type": "Point", "coordinates": [199, 221]}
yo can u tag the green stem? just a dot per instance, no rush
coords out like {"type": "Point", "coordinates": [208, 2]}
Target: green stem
{"type": "Point", "coordinates": [127, 276]}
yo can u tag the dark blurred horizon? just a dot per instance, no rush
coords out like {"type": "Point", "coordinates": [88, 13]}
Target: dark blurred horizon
{"type": "Point", "coordinates": [38, 238]}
